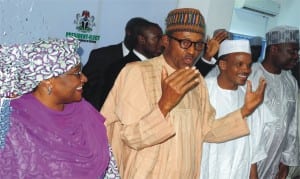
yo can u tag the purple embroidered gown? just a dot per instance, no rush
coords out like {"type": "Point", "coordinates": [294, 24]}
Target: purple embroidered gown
{"type": "Point", "coordinates": [43, 143]}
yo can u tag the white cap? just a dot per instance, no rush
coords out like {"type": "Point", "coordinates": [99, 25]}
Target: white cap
{"type": "Point", "coordinates": [234, 46]}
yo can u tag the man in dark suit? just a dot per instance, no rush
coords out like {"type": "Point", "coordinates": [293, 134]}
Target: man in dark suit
{"type": "Point", "coordinates": [100, 59]}
{"type": "Point", "coordinates": [147, 40]}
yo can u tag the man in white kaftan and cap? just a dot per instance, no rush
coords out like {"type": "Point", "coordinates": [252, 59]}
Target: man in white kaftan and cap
{"type": "Point", "coordinates": [256, 49]}
{"type": "Point", "coordinates": [295, 171]}
{"type": "Point", "coordinates": [280, 114]}
{"type": "Point", "coordinates": [232, 159]}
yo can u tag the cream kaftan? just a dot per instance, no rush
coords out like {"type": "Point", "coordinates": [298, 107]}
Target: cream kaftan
{"type": "Point", "coordinates": [148, 145]}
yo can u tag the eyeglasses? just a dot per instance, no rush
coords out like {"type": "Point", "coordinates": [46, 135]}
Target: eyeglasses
{"type": "Point", "coordinates": [76, 74]}
{"type": "Point", "coordinates": [185, 43]}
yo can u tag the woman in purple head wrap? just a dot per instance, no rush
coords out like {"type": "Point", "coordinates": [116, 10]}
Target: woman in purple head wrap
{"type": "Point", "coordinates": [49, 131]}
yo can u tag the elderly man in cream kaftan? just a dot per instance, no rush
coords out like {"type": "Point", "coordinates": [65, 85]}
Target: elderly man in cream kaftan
{"type": "Point", "coordinates": [158, 112]}
{"type": "Point", "coordinates": [145, 143]}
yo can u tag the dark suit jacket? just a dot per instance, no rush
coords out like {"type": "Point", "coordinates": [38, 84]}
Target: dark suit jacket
{"type": "Point", "coordinates": [204, 67]}
{"type": "Point", "coordinates": [99, 60]}
{"type": "Point", "coordinates": [112, 73]}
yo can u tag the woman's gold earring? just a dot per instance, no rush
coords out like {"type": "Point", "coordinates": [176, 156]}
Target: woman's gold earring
{"type": "Point", "coordinates": [49, 89]}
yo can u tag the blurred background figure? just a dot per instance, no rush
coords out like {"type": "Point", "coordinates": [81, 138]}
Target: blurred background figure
{"type": "Point", "coordinates": [147, 40]}
{"type": "Point", "coordinates": [256, 48]}
{"type": "Point", "coordinates": [100, 59]}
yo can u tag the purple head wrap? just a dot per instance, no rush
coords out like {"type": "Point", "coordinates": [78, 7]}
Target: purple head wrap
{"type": "Point", "coordinates": [9, 70]}
{"type": "Point", "coordinates": [23, 67]}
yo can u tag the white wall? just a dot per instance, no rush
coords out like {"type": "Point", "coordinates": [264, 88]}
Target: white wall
{"type": "Point", "coordinates": [247, 23]}
{"type": "Point", "coordinates": [115, 14]}
{"type": "Point", "coordinates": [217, 13]}
{"type": "Point", "coordinates": [28, 20]}
{"type": "Point", "coordinates": [202, 5]}
{"type": "Point", "coordinates": [251, 23]}
{"type": "Point", "coordinates": [289, 14]}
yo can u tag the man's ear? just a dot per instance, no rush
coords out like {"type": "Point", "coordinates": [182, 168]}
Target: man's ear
{"type": "Point", "coordinates": [141, 39]}
{"type": "Point", "coordinates": [165, 41]}
{"type": "Point", "coordinates": [274, 49]}
{"type": "Point", "coordinates": [222, 64]}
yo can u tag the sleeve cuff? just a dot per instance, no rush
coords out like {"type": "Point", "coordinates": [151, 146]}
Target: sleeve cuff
{"type": "Point", "coordinates": [212, 61]}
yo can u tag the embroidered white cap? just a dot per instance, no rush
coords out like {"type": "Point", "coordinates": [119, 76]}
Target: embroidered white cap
{"type": "Point", "coordinates": [282, 34]}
